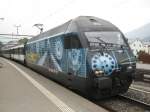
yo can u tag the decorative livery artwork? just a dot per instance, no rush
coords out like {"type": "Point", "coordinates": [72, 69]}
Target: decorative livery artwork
{"type": "Point", "coordinates": [59, 49]}
{"type": "Point", "coordinates": [103, 62]}
{"type": "Point", "coordinates": [31, 54]}
{"type": "Point", "coordinates": [52, 55]}
{"type": "Point", "coordinates": [77, 61]}
{"type": "Point", "coordinates": [75, 58]}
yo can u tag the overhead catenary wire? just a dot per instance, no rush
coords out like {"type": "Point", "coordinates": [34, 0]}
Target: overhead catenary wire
{"type": "Point", "coordinates": [59, 10]}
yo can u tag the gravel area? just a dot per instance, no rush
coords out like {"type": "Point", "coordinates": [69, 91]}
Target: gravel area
{"type": "Point", "coordinates": [119, 105]}
{"type": "Point", "coordinates": [144, 97]}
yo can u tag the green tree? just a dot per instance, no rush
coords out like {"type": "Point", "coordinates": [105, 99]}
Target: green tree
{"type": "Point", "coordinates": [144, 57]}
{"type": "Point", "coordinates": [23, 41]}
{"type": "Point", "coordinates": [1, 44]}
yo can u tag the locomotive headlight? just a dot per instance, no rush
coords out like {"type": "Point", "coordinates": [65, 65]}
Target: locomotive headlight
{"type": "Point", "coordinates": [129, 68]}
{"type": "Point", "coordinates": [98, 73]}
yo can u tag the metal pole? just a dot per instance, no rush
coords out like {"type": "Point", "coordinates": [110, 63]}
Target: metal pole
{"type": "Point", "coordinates": [17, 26]}
{"type": "Point", "coordinates": [12, 36]}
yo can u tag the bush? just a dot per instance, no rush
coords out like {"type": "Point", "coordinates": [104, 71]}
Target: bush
{"type": "Point", "coordinates": [144, 57]}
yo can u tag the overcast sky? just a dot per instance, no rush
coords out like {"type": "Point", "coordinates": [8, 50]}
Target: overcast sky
{"type": "Point", "coordinates": [126, 14]}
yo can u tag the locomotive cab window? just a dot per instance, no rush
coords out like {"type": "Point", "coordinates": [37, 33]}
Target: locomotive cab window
{"type": "Point", "coordinates": [105, 37]}
{"type": "Point", "coordinates": [72, 42]}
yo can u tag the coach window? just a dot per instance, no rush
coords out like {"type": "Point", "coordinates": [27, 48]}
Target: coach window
{"type": "Point", "coordinates": [72, 42]}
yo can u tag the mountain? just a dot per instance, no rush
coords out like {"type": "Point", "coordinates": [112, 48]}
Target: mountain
{"type": "Point", "coordinates": [142, 33]}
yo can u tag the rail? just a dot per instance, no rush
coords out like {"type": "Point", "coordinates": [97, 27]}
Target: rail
{"type": "Point", "coordinates": [143, 104]}
{"type": "Point", "coordinates": [142, 75]}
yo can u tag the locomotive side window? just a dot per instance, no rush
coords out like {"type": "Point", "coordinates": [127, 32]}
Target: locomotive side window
{"type": "Point", "coordinates": [72, 42]}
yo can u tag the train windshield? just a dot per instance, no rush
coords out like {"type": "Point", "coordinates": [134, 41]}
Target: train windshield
{"type": "Point", "coordinates": [105, 37]}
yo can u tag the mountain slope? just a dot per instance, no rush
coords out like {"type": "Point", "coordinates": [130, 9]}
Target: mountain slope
{"type": "Point", "coordinates": [141, 33]}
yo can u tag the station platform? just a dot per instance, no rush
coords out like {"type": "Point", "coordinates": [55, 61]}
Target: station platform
{"type": "Point", "coordinates": [23, 90]}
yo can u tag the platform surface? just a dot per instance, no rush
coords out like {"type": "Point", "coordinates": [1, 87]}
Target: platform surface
{"type": "Point", "coordinates": [23, 90]}
{"type": "Point", "coordinates": [143, 66]}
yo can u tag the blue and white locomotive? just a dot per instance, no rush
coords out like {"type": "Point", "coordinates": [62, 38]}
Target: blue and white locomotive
{"type": "Point", "coordinates": [86, 53]}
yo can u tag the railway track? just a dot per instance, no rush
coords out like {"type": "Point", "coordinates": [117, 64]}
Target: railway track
{"type": "Point", "coordinates": [126, 102]}
{"type": "Point", "coordinates": [122, 103]}
{"type": "Point", "coordinates": [142, 75]}
{"type": "Point", "coordinates": [140, 90]}
{"type": "Point", "coordinates": [135, 101]}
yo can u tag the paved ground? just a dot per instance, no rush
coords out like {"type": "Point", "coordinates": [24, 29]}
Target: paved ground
{"type": "Point", "coordinates": [143, 66]}
{"type": "Point", "coordinates": [22, 90]}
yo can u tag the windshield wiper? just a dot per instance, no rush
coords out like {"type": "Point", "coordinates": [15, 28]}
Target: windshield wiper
{"type": "Point", "coordinates": [98, 38]}
{"type": "Point", "coordinates": [127, 59]}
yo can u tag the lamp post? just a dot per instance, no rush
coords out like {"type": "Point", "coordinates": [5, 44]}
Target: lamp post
{"type": "Point", "coordinates": [39, 26]}
{"type": "Point", "coordinates": [17, 27]}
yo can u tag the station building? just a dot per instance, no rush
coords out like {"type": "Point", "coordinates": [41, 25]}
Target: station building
{"type": "Point", "coordinates": [139, 45]}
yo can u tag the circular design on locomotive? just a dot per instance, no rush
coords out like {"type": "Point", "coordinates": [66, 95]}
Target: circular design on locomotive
{"type": "Point", "coordinates": [76, 59]}
{"type": "Point", "coordinates": [59, 49]}
{"type": "Point", "coordinates": [103, 62]}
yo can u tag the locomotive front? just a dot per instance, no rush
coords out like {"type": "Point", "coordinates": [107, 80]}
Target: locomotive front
{"type": "Point", "coordinates": [111, 61]}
